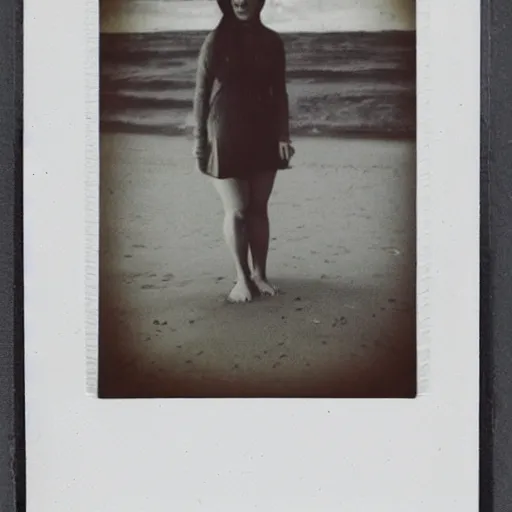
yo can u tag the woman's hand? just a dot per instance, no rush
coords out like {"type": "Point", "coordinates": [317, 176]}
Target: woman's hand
{"type": "Point", "coordinates": [286, 151]}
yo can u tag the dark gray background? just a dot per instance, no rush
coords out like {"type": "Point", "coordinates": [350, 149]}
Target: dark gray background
{"type": "Point", "coordinates": [496, 263]}
{"type": "Point", "coordinates": [11, 290]}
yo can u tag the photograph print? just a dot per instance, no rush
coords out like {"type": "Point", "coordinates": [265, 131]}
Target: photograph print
{"type": "Point", "coordinates": [257, 199]}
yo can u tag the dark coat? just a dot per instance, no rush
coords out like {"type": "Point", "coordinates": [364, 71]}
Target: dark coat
{"type": "Point", "coordinates": [241, 103]}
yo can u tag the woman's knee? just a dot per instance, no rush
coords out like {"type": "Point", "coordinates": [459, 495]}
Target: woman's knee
{"type": "Point", "coordinates": [236, 215]}
{"type": "Point", "coordinates": [257, 210]}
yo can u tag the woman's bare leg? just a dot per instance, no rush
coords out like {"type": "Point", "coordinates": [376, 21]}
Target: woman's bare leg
{"type": "Point", "coordinates": [235, 199]}
{"type": "Point", "coordinates": [260, 188]}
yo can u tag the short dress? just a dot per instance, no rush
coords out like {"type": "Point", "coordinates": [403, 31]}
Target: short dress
{"type": "Point", "coordinates": [241, 105]}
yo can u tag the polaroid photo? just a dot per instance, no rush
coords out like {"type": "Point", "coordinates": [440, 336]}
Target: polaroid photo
{"type": "Point", "coordinates": [257, 193]}
{"type": "Point", "coordinates": [252, 200]}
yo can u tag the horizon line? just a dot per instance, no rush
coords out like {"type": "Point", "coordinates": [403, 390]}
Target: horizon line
{"type": "Point", "coordinates": [306, 32]}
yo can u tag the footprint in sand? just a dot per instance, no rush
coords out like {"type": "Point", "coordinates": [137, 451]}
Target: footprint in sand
{"type": "Point", "coordinates": [339, 321]}
{"type": "Point", "coordinates": [150, 287]}
{"type": "Point", "coordinates": [391, 250]}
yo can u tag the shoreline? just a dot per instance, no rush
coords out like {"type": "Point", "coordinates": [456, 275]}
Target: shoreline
{"type": "Point", "coordinates": [121, 128]}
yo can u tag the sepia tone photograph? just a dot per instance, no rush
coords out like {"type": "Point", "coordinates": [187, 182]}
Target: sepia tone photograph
{"type": "Point", "coordinates": [257, 199]}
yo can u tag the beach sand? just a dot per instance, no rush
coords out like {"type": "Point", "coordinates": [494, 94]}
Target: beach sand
{"type": "Point", "coordinates": [342, 251]}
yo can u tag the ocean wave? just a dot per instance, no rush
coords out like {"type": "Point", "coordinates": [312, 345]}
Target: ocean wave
{"type": "Point", "coordinates": [338, 84]}
{"type": "Point", "coordinates": [118, 102]}
{"type": "Point", "coordinates": [149, 84]}
{"type": "Point", "coordinates": [330, 75]}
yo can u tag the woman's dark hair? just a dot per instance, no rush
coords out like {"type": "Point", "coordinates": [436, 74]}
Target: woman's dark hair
{"type": "Point", "coordinates": [226, 32]}
{"type": "Point", "coordinates": [227, 9]}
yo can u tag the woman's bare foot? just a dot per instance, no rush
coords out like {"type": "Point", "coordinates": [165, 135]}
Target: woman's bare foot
{"type": "Point", "coordinates": [241, 292]}
{"type": "Point", "coordinates": [264, 287]}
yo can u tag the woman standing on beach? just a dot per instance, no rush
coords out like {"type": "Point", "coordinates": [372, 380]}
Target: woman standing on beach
{"type": "Point", "coordinates": [241, 135]}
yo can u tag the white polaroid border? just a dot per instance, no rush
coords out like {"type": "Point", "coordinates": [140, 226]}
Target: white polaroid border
{"type": "Point", "coordinates": [86, 454]}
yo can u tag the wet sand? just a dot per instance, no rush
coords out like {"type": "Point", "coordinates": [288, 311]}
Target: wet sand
{"type": "Point", "coordinates": [342, 251]}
